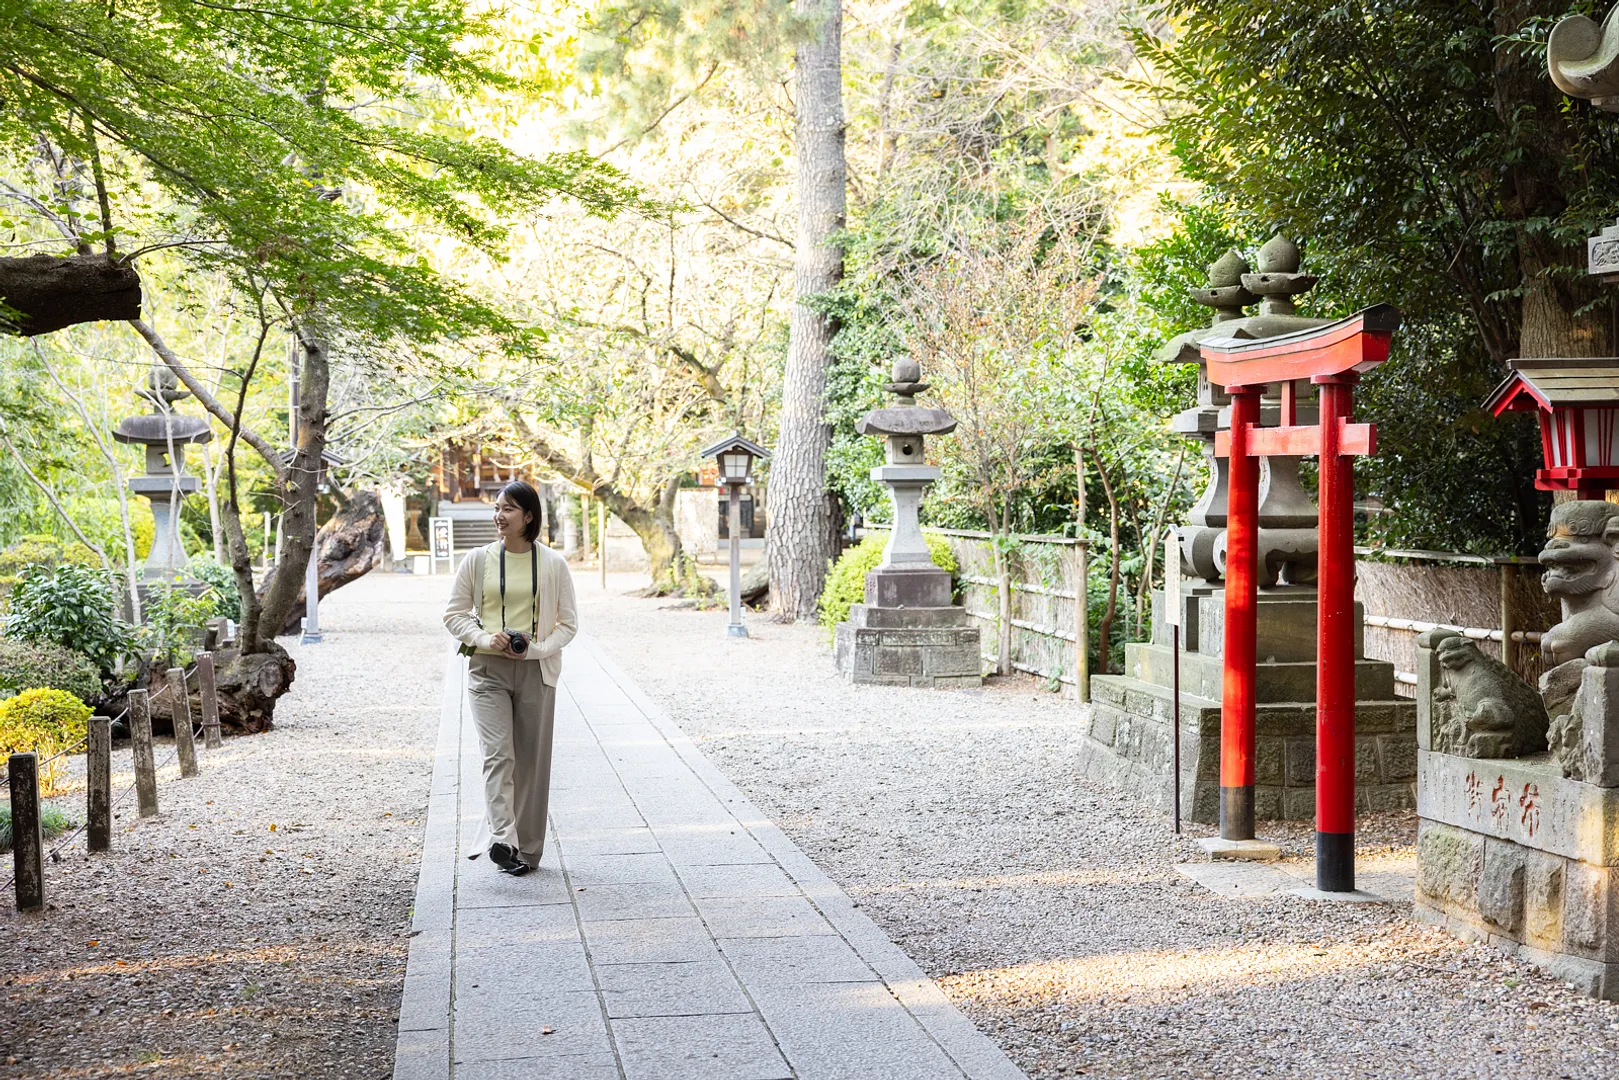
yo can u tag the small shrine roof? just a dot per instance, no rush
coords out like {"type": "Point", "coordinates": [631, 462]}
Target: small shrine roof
{"type": "Point", "coordinates": [1555, 383]}
{"type": "Point", "coordinates": [734, 442]}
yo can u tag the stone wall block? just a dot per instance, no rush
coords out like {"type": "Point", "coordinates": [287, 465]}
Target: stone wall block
{"type": "Point", "coordinates": [1586, 907]}
{"type": "Point", "coordinates": [1389, 796]}
{"type": "Point", "coordinates": [1109, 690]}
{"type": "Point", "coordinates": [955, 660]}
{"type": "Point", "coordinates": [1138, 703]}
{"type": "Point", "coordinates": [1543, 899]}
{"type": "Point", "coordinates": [1366, 760]}
{"type": "Point", "coordinates": [1599, 725]}
{"type": "Point", "coordinates": [1501, 885]}
{"type": "Point", "coordinates": [1267, 802]}
{"type": "Point", "coordinates": [1206, 803]}
{"type": "Point", "coordinates": [1270, 761]}
{"type": "Point", "coordinates": [1449, 863]}
{"type": "Point", "coordinates": [1428, 679]}
{"type": "Point", "coordinates": [923, 637]}
{"type": "Point", "coordinates": [1397, 758]}
{"type": "Point", "coordinates": [1301, 762]}
{"type": "Point", "coordinates": [1103, 720]}
{"type": "Point", "coordinates": [1298, 803]}
{"type": "Point", "coordinates": [892, 661]}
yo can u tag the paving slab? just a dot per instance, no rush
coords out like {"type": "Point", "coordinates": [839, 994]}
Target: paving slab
{"type": "Point", "coordinates": [672, 931]}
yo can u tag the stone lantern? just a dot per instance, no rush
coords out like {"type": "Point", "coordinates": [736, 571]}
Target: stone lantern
{"type": "Point", "coordinates": [908, 633]}
{"type": "Point", "coordinates": [164, 433]}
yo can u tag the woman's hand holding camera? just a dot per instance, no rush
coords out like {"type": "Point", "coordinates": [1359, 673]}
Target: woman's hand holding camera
{"type": "Point", "coordinates": [502, 643]}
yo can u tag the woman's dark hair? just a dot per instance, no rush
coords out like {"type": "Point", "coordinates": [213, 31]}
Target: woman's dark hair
{"type": "Point", "coordinates": [528, 500]}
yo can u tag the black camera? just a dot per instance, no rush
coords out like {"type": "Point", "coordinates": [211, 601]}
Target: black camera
{"type": "Point", "coordinates": [518, 639]}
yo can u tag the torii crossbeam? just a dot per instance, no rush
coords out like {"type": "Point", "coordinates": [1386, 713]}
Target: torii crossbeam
{"type": "Point", "coordinates": [1333, 357]}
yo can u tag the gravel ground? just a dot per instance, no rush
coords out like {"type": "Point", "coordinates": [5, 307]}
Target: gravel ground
{"type": "Point", "coordinates": [257, 927]}
{"type": "Point", "coordinates": [1049, 908]}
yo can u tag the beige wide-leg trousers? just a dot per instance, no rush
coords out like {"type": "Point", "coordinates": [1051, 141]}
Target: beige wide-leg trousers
{"type": "Point", "coordinates": [513, 710]}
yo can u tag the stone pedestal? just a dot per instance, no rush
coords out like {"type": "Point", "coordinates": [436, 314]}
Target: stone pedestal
{"type": "Point", "coordinates": [1127, 738]}
{"type": "Point", "coordinates": [1513, 853]}
{"type": "Point", "coordinates": [1521, 852]}
{"type": "Point", "coordinates": [907, 633]}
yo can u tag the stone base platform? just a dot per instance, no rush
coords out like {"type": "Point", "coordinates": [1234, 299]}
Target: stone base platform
{"type": "Point", "coordinates": [1127, 741]}
{"type": "Point", "coordinates": [909, 646]}
{"type": "Point", "coordinates": [1512, 853]}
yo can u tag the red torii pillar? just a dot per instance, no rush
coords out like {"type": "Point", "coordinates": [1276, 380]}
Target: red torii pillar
{"type": "Point", "coordinates": [1332, 357]}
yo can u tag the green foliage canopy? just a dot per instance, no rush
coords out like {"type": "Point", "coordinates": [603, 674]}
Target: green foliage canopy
{"type": "Point", "coordinates": [293, 141]}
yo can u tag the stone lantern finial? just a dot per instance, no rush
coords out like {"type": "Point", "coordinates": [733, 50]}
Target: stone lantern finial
{"type": "Point", "coordinates": [1278, 280]}
{"type": "Point", "coordinates": [1226, 294]}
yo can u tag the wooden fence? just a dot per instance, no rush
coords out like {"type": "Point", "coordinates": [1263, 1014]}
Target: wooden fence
{"type": "Point", "coordinates": [1498, 602]}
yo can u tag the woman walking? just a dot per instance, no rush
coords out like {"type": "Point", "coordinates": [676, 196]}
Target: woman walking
{"type": "Point", "coordinates": [512, 609]}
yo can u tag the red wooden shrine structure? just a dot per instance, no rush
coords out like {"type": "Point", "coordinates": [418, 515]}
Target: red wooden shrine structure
{"type": "Point", "coordinates": [1578, 405]}
{"type": "Point", "coordinates": [1332, 357]}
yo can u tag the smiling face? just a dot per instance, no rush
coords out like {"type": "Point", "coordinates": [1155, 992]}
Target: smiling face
{"type": "Point", "coordinates": [511, 520]}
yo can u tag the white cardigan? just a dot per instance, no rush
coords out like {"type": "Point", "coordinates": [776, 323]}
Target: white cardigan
{"type": "Point", "coordinates": [558, 618]}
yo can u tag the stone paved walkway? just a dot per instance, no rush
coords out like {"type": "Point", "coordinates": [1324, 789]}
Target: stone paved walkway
{"type": "Point", "coordinates": [672, 933]}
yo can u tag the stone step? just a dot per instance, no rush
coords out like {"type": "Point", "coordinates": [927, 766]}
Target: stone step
{"type": "Point", "coordinates": [1283, 718]}
{"type": "Point", "coordinates": [1275, 681]}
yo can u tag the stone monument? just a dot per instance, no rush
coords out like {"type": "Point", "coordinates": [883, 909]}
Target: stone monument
{"type": "Point", "coordinates": [165, 434]}
{"type": "Point", "coordinates": [908, 633]}
{"type": "Point", "coordinates": [1518, 791]}
{"type": "Point", "coordinates": [1128, 740]}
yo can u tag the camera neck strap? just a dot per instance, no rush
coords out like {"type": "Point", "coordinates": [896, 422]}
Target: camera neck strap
{"type": "Point", "coordinates": [534, 585]}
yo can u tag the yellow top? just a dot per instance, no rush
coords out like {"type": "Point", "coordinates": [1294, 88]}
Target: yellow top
{"type": "Point", "coordinates": [520, 596]}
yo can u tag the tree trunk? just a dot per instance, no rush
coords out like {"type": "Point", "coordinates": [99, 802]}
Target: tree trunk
{"type": "Point", "coordinates": [1003, 592]}
{"type": "Point", "coordinates": [1555, 285]}
{"type": "Point", "coordinates": [49, 292]}
{"type": "Point", "coordinates": [280, 597]}
{"type": "Point", "coordinates": [347, 548]}
{"type": "Point", "coordinates": [1104, 631]}
{"type": "Point", "coordinates": [802, 537]}
{"type": "Point", "coordinates": [1082, 594]}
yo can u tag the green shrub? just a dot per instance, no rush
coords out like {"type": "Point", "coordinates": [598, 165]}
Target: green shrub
{"type": "Point", "coordinates": [175, 620]}
{"type": "Point", "coordinates": [41, 550]}
{"type": "Point", "coordinates": [53, 822]}
{"type": "Point", "coordinates": [71, 606]}
{"type": "Point", "coordinates": [44, 721]}
{"type": "Point", "coordinates": [25, 665]}
{"type": "Point", "coordinates": [222, 579]}
{"type": "Point", "coordinates": [846, 582]}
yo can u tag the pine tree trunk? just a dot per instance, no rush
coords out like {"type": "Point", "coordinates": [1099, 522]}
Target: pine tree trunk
{"type": "Point", "coordinates": [802, 537]}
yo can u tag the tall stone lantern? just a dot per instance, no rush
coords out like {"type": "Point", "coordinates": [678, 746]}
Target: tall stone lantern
{"type": "Point", "coordinates": [165, 434]}
{"type": "Point", "coordinates": [908, 633]}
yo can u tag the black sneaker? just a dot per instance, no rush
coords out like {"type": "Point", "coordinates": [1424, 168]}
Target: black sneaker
{"type": "Point", "coordinates": [518, 869]}
{"type": "Point", "coordinates": [504, 857]}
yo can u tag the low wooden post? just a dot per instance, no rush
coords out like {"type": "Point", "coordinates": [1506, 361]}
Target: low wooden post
{"type": "Point", "coordinates": [27, 835]}
{"type": "Point", "coordinates": [140, 741]}
{"type": "Point", "coordinates": [210, 701]}
{"type": "Point", "coordinates": [601, 539]}
{"type": "Point", "coordinates": [1509, 619]}
{"type": "Point", "coordinates": [185, 739]}
{"type": "Point", "coordinates": [98, 783]}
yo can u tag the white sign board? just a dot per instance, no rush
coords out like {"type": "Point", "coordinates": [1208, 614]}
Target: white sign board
{"type": "Point", "coordinates": [1172, 577]}
{"type": "Point", "coordinates": [441, 532]}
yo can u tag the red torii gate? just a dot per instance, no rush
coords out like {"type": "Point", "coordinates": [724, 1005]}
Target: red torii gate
{"type": "Point", "coordinates": [1333, 357]}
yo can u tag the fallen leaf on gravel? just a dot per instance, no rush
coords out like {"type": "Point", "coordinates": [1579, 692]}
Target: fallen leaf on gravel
{"type": "Point", "coordinates": [546, 1031]}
